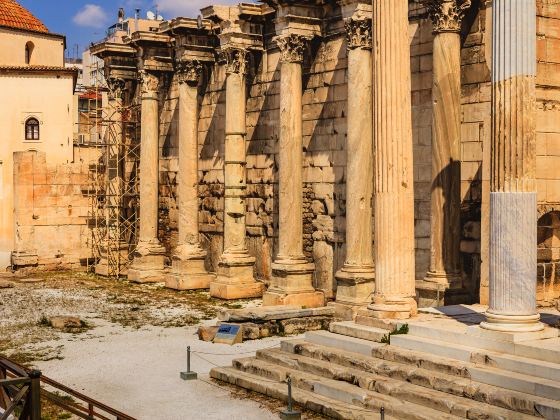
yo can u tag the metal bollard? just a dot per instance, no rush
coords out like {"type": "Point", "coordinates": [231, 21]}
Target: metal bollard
{"type": "Point", "coordinates": [382, 413]}
{"type": "Point", "coordinates": [188, 375]}
{"type": "Point", "coordinates": [290, 413]}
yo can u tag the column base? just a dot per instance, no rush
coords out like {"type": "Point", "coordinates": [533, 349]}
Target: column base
{"type": "Point", "coordinates": [448, 280]}
{"type": "Point", "coordinates": [102, 268]}
{"type": "Point", "coordinates": [402, 308]}
{"type": "Point", "coordinates": [293, 285]}
{"type": "Point", "coordinates": [433, 295]}
{"type": "Point", "coordinates": [518, 336]}
{"type": "Point", "coordinates": [355, 287]}
{"type": "Point", "coordinates": [235, 279]}
{"type": "Point", "coordinates": [148, 265]}
{"type": "Point", "coordinates": [189, 274]}
{"type": "Point", "coordinates": [512, 323]}
{"type": "Point", "coordinates": [24, 258]}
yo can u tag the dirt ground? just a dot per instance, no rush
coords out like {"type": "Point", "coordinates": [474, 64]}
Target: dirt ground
{"type": "Point", "coordinates": [130, 347]}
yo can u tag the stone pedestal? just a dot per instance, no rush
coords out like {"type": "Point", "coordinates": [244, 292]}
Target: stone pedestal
{"type": "Point", "coordinates": [355, 280]}
{"type": "Point", "coordinates": [235, 278]}
{"type": "Point", "coordinates": [188, 270]}
{"type": "Point", "coordinates": [393, 175]}
{"type": "Point", "coordinates": [513, 198]}
{"type": "Point", "coordinates": [445, 264]}
{"type": "Point", "coordinates": [149, 256]}
{"type": "Point", "coordinates": [292, 274]}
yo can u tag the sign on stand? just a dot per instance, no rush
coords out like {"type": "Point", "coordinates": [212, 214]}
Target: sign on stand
{"type": "Point", "coordinates": [228, 334]}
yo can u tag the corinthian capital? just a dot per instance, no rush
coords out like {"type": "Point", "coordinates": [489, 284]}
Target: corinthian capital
{"type": "Point", "coordinates": [292, 47]}
{"type": "Point", "coordinates": [189, 71]}
{"type": "Point", "coordinates": [235, 59]}
{"type": "Point", "coordinates": [150, 82]}
{"type": "Point", "coordinates": [358, 33]}
{"type": "Point", "coordinates": [116, 87]}
{"type": "Point", "coordinates": [447, 15]}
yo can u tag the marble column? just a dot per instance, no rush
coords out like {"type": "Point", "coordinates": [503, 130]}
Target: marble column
{"type": "Point", "coordinates": [235, 270]}
{"type": "Point", "coordinates": [188, 270]}
{"type": "Point", "coordinates": [114, 250]}
{"type": "Point", "coordinates": [513, 197]}
{"type": "Point", "coordinates": [148, 263]}
{"type": "Point", "coordinates": [445, 264]}
{"type": "Point", "coordinates": [355, 280]}
{"type": "Point", "coordinates": [393, 168]}
{"type": "Point", "coordinates": [292, 282]}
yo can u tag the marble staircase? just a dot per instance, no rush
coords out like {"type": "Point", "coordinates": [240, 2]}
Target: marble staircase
{"type": "Point", "coordinates": [442, 369]}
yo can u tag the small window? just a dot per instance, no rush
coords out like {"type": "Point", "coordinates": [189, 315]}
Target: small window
{"type": "Point", "coordinates": [29, 52]}
{"type": "Point", "coordinates": [32, 129]}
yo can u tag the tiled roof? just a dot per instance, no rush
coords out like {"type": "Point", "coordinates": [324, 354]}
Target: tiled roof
{"type": "Point", "coordinates": [15, 16]}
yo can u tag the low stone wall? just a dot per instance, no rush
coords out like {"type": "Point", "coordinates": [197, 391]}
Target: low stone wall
{"type": "Point", "coordinates": [51, 207]}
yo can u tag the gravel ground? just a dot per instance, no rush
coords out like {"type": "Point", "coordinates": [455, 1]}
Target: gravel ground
{"type": "Point", "coordinates": [131, 348]}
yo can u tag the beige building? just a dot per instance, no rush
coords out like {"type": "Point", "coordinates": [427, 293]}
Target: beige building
{"type": "Point", "coordinates": [37, 105]}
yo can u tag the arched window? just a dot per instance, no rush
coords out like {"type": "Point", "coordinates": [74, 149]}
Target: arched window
{"type": "Point", "coordinates": [32, 129]}
{"type": "Point", "coordinates": [28, 52]}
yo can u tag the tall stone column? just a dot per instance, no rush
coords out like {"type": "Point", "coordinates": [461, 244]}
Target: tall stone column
{"type": "Point", "coordinates": [393, 173]}
{"type": "Point", "coordinates": [445, 263]}
{"type": "Point", "coordinates": [513, 197]}
{"type": "Point", "coordinates": [114, 250]}
{"type": "Point", "coordinates": [235, 270]}
{"type": "Point", "coordinates": [292, 282]}
{"type": "Point", "coordinates": [355, 280]}
{"type": "Point", "coordinates": [148, 263]}
{"type": "Point", "coordinates": [188, 271]}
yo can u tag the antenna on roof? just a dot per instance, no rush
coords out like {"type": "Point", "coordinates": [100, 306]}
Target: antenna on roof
{"type": "Point", "coordinates": [151, 15]}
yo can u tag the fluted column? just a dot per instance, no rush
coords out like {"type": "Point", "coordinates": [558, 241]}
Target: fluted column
{"type": "Point", "coordinates": [292, 281]}
{"type": "Point", "coordinates": [393, 175]}
{"type": "Point", "coordinates": [355, 280]}
{"type": "Point", "coordinates": [235, 270]}
{"type": "Point", "coordinates": [513, 197]}
{"type": "Point", "coordinates": [148, 263]}
{"type": "Point", "coordinates": [445, 264]}
{"type": "Point", "coordinates": [114, 250]}
{"type": "Point", "coordinates": [188, 271]}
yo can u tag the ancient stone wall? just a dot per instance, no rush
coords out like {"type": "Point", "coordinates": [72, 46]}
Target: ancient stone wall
{"type": "Point", "coordinates": [51, 213]}
{"type": "Point", "coordinates": [324, 130]}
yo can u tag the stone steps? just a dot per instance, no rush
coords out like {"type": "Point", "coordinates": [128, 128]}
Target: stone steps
{"type": "Point", "coordinates": [342, 342]}
{"type": "Point", "coordinates": [351, 329]}
{"type": "Point", "coordinates": [405, 391]}
{"type": "Point", "coordinates": [430, 371]}
{"type": "Point", "coordinates": [306, 399]}
{"type": "Point", "coordinates": [511, 363]}
{"type": "Point", "coordinates": [340, 391]}
{"type": "Point", "coordinates": [546, 348]}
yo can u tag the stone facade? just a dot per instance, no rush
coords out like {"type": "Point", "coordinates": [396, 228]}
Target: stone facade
{"type": "Point", "coordinates": [324, 119]}
{"type": "Point", "coordinates": [51, 202]}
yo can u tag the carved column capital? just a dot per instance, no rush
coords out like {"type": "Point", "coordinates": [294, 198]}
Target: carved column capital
{"type": "Point", "coordinates": [149, 81]}
{"type": "Point", "coordinates": [292, 47]}
{"type": "Point", "coordinates": [358, 33]}
{"type": "Point", "coordinates": [116, 87]}
{"type": "Point", "coordinates": [234, 58]}
{"type": "Point", "coordinates": [447, 15]}
{"type": "Point", "coordinates": [189, 71]}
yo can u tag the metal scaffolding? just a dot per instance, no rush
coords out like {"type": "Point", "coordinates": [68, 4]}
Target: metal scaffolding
{"type": "Point", "coordinates": [112, 135]}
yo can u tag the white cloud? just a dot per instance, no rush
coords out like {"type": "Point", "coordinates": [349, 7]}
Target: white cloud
{"type": "Point", "coordinates": [91, 15]}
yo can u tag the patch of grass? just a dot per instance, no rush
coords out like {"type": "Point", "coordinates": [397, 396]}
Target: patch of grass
{"type": "Point", "coordinates": [386, 339]}
{"type": "Point", "coordinates": [44, 322]}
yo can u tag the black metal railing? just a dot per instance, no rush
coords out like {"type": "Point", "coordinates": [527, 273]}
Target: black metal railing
{"type": "Point", "coordinates": [21, 393]}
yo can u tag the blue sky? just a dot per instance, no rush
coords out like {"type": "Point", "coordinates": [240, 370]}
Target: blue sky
{"type": "Point", "coordinates": [84, 21]}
